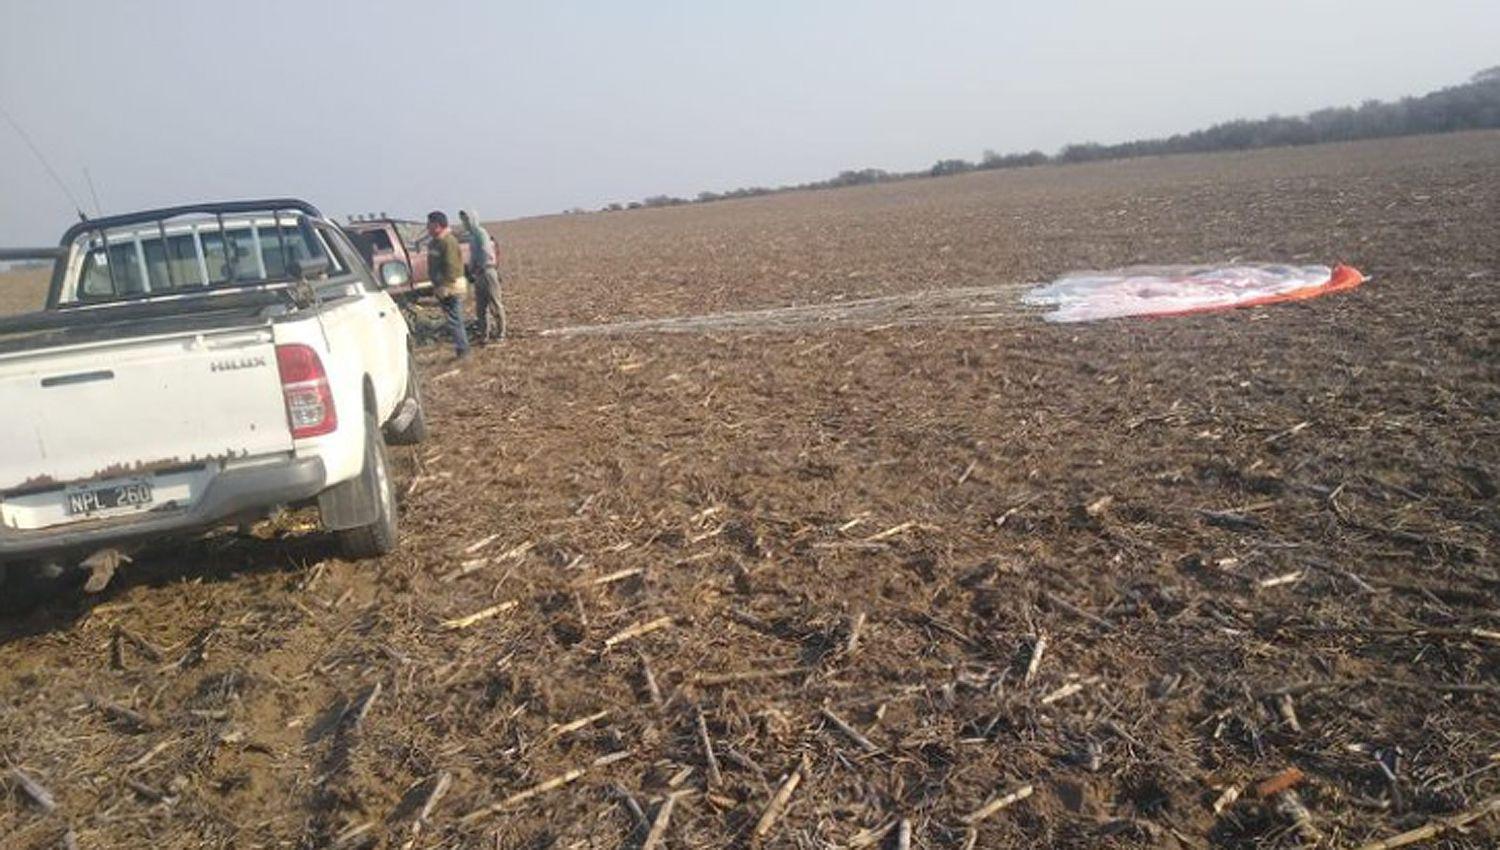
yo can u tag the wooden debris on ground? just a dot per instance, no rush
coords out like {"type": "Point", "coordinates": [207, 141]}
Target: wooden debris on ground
{"type": "Point", "coordinates": [1067, 690]}
{"type": "Point", "coordinates": [1076, 611]}
{"type": "Point", "coordinates": [849, 731]}
{"type": "Point", "coordinates": [150, 754]}
{"type": "Point", "coordinates": [1226, 799]}
{"type": "Point", "coordinates": [710, 680]}
{"type": "Point", "coordinates": [154, 795]}
{"type": "Point", "coordinates": [435, 796]}
{"type": "Point", "coordinates": [1281, 781]}
{"type": "Point", "coordinates": [34, 790]}
{"type": "Point", "coordinates": [1038, 647]}
{"type": "Point", "coordinates": [460, 623]}
{"type": "Point", "coordinates": [575, 725]}
{"type": "Point", "coordinates": [631, 804]}
{"type": "Point", "coordinates": [145, 647]}
{"type": "Point", "coordinates": [1288, 711]}
{"type": "Point", "coordinates": [636, 631]}
{"type": "Point", "coordinates": [710, 761]}
{"type": "Point", "coordinates": [474, 565]}
{"type": "Point", "coordinates": [357, 713]}
{"type": "Point", "coordinates": [870, 837]}
{"type": "Point", "coordinates": [777, 806]}
{"type": "Point", "coordinates": [1278, 581]}
{"type": "Point", "coordinates": [1437, 828]}
{"type": "Point", "coordinates": [903, 835]}
{"type": "Point", "coordinates": [480, 544]}
{"type": "Point", "coordinates": [652, 689]}
{"type": "Point", "coordinates": [522, 796]}
{"type": "Point", "coordinates": [998, 804]}
{"type": "Point", "coordinates": [139, 721]}
{"type": "Point", "coordinates": [1290, 804]}
{"type": "Point", "coordinates": [856, 627]}
{"type": "Point", "coordinates": [891, 532]}
{"type": "Point", "coordinates": [610, 578]}
{"type": "Point", "coordinates": [658, 832]}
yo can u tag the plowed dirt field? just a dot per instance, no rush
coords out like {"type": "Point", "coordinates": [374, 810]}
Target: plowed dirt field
{"type": "Point", "coordinates": [886, 545]}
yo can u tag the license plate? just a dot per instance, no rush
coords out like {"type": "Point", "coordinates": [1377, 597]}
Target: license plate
{"type": "Point", "coordinates": [109, 497]}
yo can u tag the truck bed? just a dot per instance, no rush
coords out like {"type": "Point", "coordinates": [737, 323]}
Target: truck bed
{"type": "Point", "coordinates": [48, 328]}
{"type": "Point", "coordinates": [77, 326]}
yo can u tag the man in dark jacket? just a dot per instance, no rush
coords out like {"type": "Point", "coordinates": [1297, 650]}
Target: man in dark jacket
{"type": "Point", "coordinates": [445, 266]}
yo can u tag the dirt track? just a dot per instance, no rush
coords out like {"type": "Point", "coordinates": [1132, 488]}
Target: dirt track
{"type": "Point", "coordinates": [1198, 514]}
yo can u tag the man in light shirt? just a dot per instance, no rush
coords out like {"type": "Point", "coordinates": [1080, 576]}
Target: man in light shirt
{"type": "Point", "coordinates": [484, 270]}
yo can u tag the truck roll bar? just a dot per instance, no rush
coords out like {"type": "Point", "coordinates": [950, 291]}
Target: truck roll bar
{"type": "Point", "coordinates": [215, 208]}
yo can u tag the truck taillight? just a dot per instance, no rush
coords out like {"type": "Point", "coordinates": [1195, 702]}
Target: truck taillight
{"type": "Point", "coordinates": [304, 384]}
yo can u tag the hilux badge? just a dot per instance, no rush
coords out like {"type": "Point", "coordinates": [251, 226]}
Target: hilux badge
{"type": "Point", "coordinates": [236, 363]}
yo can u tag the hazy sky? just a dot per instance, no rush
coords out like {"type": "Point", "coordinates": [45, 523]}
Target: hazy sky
{"type": "Point", "coordinates": [524, 108]}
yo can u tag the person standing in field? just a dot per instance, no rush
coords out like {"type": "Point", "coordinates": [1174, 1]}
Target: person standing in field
{"type": "Point", "coordinates": [484, 270]}
{"type": "Point", "coordinates": [445, 266]}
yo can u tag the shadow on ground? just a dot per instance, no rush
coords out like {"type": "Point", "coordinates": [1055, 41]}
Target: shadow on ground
{"type": "Point", "coordinates": [38, 608]}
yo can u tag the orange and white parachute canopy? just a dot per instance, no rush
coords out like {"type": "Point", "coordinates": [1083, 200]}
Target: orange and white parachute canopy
{"type": "Point", "coordinates": [1181, 290]}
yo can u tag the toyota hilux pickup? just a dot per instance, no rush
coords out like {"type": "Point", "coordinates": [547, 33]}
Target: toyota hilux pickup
{"type": "Point", "coordinates": [198, 367]}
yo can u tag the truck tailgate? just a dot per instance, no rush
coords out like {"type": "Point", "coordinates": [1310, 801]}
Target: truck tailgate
{"type": "Point", "coordinates": [126, 408]}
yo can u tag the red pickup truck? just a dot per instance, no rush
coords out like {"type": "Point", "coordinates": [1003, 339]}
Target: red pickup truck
{"type": "Point", "coordinates": [383, 240]}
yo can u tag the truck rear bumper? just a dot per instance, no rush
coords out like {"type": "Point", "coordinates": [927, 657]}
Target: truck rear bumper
{"type": "Point", "coordinates": [230, 493]}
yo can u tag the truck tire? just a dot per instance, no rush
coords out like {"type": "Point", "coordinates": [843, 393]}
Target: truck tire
{"type": "Point", "coordinates": [379, 536]}
{"type": "Point", "coordinates": [416, 429]}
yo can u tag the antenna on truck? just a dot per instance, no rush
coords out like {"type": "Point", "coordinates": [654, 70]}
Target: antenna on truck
{"type": "Point", "coordinates": [25, 137]}
{"type": "Point", "coordinates": [98, 209]}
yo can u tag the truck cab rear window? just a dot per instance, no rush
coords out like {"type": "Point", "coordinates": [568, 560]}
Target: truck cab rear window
{"type": "Point", "coordinates": [144, 263]}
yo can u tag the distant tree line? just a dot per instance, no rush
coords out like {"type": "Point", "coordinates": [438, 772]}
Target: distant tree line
{"type": "Point", "coordinates": [1474, 105]}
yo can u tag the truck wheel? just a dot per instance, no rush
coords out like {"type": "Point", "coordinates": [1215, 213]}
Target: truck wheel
{"type": "Point", "coordinates": [379, 536]}
{"type": "Point", "coordinates": [415, 430]}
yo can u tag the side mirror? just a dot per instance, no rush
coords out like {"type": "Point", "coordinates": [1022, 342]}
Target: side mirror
{"type": "Point", "coordinates": [394, 273]}
{"type": "Point", "coordinates": [309, 268]}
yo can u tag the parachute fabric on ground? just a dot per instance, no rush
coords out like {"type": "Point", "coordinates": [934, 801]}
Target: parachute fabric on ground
{"type": "Point", "coordinates": [1180, 290]}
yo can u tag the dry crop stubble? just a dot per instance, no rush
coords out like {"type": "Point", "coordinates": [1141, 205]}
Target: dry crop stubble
{"type": "Point", "coordinates": [872, 525]}
{"type": "Point", "coordinates": [23, 290]}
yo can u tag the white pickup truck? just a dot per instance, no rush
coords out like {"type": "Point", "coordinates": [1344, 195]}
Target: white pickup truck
{"type": "Point", "coordinates": [197, 367]}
